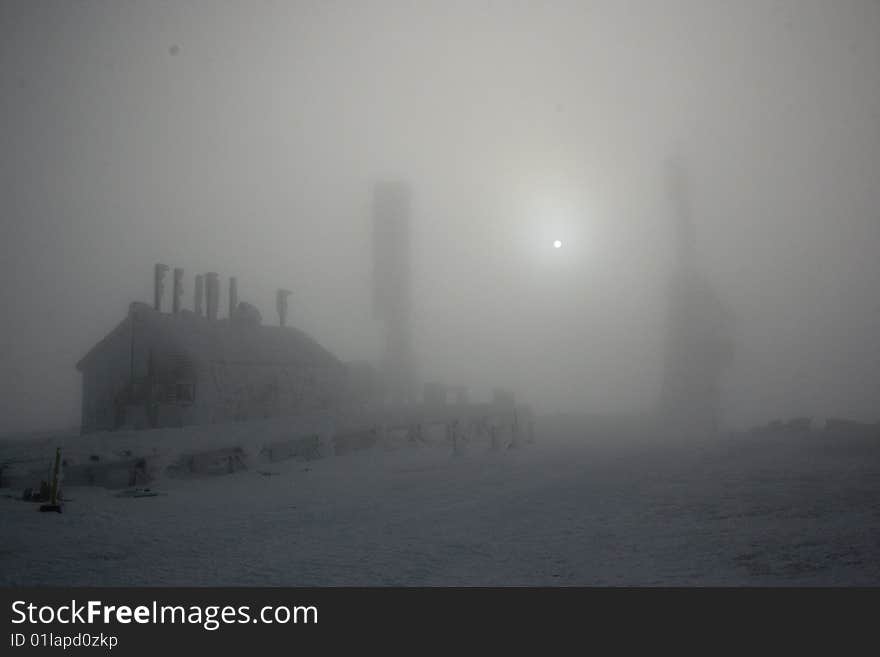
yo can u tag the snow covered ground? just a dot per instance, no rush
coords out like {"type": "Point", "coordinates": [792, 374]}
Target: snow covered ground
{"type": "Point", "coordinates": [572, 509]}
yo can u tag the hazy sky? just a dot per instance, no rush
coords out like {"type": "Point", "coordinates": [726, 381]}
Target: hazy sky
{"type": "Point", "coordinates": [244, 137]}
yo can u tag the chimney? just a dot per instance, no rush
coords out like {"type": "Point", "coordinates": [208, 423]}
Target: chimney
{"type": "Point", "coordinates": [158, 284]}
{"type": "Point", "coordinates": [178, 290]}
{"type": "Point", "coordinates": [212, 292]}
{"type": "Point", "coordinates": [281, 305]}
{"type": "Point", "coordinates": [233, 295]}
{"type": "Point", "coordinates": [200, 293]}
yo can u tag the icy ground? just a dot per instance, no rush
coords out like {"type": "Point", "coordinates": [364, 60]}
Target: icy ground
{"type": "Point", "coordinates": [567, 510]}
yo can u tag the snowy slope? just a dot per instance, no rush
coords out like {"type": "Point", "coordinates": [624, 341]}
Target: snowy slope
{"type": "Point", "coordinates": [567, 510]}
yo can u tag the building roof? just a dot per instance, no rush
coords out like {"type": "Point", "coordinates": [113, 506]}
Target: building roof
{"type": "Point", "coordinates": [225, 340]}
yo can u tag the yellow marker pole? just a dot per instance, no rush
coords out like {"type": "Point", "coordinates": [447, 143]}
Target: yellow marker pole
{"type": "Point", "coordinates": [53, 491]}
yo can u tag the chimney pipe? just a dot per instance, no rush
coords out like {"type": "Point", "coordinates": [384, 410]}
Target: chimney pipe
{"type": "Point", "coordinates": [200, 293]}
{"type": "Point", "coordinates": [233, 295]}
{"type": "Point", "coordinates": [158, 284]}
{"type": "Point", "coordinates": [212, 290]}
{"type": "Point", "coordinates": [281, 305]}
{"type": "Point", "coordinates": [178, 290]}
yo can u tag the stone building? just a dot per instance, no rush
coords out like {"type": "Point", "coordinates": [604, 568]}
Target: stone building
{"type": "Point", "coordinates": [160, 369]}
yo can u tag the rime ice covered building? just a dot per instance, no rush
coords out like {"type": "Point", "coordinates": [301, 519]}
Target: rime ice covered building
{"type": "Point", "coordinates": [181, 368]}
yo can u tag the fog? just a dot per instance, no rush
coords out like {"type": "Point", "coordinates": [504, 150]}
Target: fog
{"type": "Point", "coordinates": [245, 138]}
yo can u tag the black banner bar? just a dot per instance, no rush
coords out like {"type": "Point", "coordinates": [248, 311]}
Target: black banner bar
{"type": "Point", "coordinates": [154, 621]}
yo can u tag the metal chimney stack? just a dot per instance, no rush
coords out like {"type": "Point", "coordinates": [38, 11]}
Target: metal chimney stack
{"type": "Point", "coordinates": [281, 305]}
{"type": "Point", "coordinates": [158, 284]}
{"type": "Point", "coordinates": [177, 291]}
{"type": "Point", "coordinates": [200, 294]}
{"type": "Point", "coordinates": [212, 290]}
{"type": "Point", "coordinates": [233, 295]}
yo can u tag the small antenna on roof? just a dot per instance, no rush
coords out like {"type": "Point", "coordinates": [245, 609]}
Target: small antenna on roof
{"type": "Point", "coordinates": [200, 294]}
{"type": "Point", "coordinates": [158, 284]}
{"type": "Point", "coordinates": [178, 290]}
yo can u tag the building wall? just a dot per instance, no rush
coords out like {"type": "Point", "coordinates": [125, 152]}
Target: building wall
{"type": "Point", "coordinates": [154, 373]}
{"type": "Point", "coordinates": [238, 391]}
{"type": "Point", "coordinates": [104, 381]}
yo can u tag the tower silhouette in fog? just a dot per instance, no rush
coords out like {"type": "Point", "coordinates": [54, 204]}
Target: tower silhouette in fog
{"type": "Point", "coordinates": [392, 285]}
{"type": "Point", "coordinates": [698, 344]}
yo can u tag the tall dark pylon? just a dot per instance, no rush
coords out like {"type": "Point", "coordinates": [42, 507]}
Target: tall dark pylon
{"type": "Point", "coordinates": [392, 285]}
{"type": "Point", "coordinates": [699, 346]}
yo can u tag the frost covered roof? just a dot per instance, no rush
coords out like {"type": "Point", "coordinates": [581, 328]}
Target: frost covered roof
{"type": "Point", "coordinates": [219, 340]}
